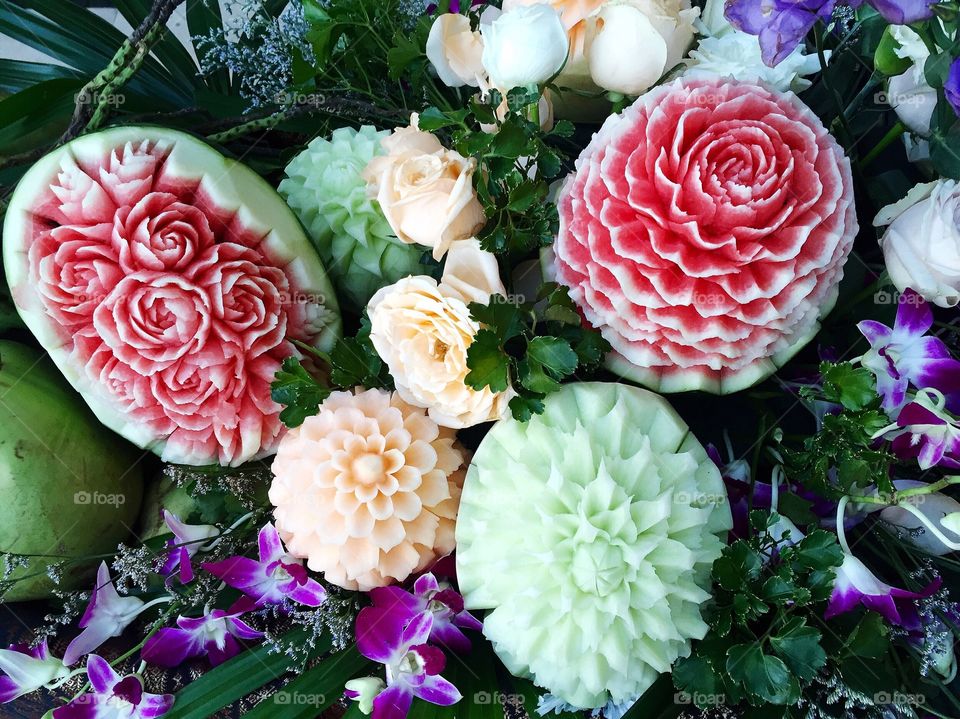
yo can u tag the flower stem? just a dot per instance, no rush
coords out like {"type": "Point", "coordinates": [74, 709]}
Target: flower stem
{"type": "Point", "coordinates": [929, 526]}
{"type": "Point", "coordinates": [894, 132]}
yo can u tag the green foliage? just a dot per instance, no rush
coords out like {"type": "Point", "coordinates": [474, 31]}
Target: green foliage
{"type": "Point", "coordinates": [842, 457]}
{"type": "Point", "coordinates": [295, 388]}
{"type": "Point", "coordinates": [354, 362]}
{"type": "Point", "coordinates": [532, 347]}
{"type": "Point", "coordinates": [764, 646]}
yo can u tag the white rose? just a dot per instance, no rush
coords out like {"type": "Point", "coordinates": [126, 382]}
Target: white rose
{"type": "Point", "coordinates": [737, 55]}
{"type": "Point", "coordinates": [637, 41]}
{"type": "Point", "coordinates": [921, 246]}
{"type": "Point", "coordinates": [456, 51]}
{"type": "Point", "coordinates": [425, 190]}
{"type": "Point", "coordinates": [712, 20]}
{"type": "Point", "coordinates": [909, 94]}
{"type": "Point", "coordinates": [422, 330]}
{"type": "Point", "coordinates": [525, 46]}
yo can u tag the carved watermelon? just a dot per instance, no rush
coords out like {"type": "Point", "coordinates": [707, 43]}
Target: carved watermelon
{"type": "Point", "coordinates": [167, 282]}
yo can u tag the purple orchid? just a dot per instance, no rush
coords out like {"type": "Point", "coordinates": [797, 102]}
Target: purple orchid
{"type": "Point", "coordinates": [107, 615]}
{"type": "Point", "coordinates": [114, 696]}
{"type": "Point", "coordinates": [446, 605]}
{"type": "Point", "coordinates": [780, 25]}
{"type": "Point", "coordinates": [903, 354]}
{"type": "Point", "coordinates": [412, 666]}
{"type": "Point", "coordinates": [275, 577]}
{"type": "Point", "coordinates": [856, 585]}
{"type": "Point", "coordinates": [925, 431]}
{"type": "Point", "coordinates": [903, 12]}
{"type": "Point", "coordinates": [213, 635]}
{"type": "Point", "coordinates": [951, 88]}
{"type": "Point", "coordinates": [186, 542]}
{"type": "Point", "coordinates": [26, 669]}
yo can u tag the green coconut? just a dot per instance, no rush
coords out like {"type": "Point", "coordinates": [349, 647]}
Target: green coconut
{"type": "Point", "coordinates": [70, 487]}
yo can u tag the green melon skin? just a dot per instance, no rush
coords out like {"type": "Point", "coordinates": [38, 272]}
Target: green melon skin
{"type": "Point", "coordinates": [70, 487]}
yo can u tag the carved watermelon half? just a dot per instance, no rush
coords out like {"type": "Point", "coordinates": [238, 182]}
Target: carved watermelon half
{"type": "Point", "coordinates": [167, 282]}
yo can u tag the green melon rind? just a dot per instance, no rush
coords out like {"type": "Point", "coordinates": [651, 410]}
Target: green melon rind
{"type": "Point", "coordinates": [54, 455]}
{"type": "Point", "coordinates": [236, 185]}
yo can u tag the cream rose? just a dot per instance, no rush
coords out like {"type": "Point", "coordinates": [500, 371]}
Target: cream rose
{"type": "Point", "coordinates": [456, 51]}
{"type": "Point", "coordinates": [425, 190]}
{"type": "Point", "coordinates": [921, 246]}
{"type": "Point", "coordinates": [423, 329]}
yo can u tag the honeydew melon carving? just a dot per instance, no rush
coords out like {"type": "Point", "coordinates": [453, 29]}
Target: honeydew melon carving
{"type": "Point", "coordinates": [167, 282]}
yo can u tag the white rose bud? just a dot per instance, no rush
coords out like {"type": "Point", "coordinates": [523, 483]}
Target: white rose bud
{"type": "Point", "coordinates": [525, 46]}
{"type": "Point", "coordinates": [456, 51]}
{"type": "Point", "coordinates": [637, 42]}
{"type": "Point", "coordinates": [921, 246]}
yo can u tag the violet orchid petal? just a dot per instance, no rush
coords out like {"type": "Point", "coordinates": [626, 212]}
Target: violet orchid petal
{"type": "Point", "coordinates": [171, 647]}
{"type": "Point", "coordinates": [85, 706]}
{"type": "Point", "coordinates": [311, 593]}
{"type": "Point", "coordinates": [903, 12]}
{"type": "Point", "coordinates": [153, 706]}
{"type": "Point", "coordinates": [218, 655]}
{"type": "Point", "coordinates": [392, 703]}
{"type": "Point", "coordinates": [242, 630]}
{"type": "Point", "coordinates": [240, 573]}
{"type": "Point", "coordinates": [101, 675]}
{"type": "Point", "coordinates": [450, 637]}
{"type": "Point", "coordinates": [451, 598]}
{"type": "Point", "coordinates": [378, 633]}
{"type": "Point", "coordinates": [437, 690]}
{"type": "Point", "coordinates": [271, 548]}
{"type": "Point", "coordinates": [91, 638]}
{"type": "Point", "coordinates": [425, 584]}
{"type": "Point", "coordinates": [129, 689]}
{"type": "Point", "coordinates": [914, 316]}
{"type": "Point", "coordinates": [186, 566]}
{"type": "Point", "coordinates": [433, 658]}
{"type": "Point", "coordinates": [395, 597]}
{"type": "Point", "coordinates": [465, 620]}
{"type": "Point", "coordinates": [417, 630]}
{"type": "Point", "coordinates": [876, 333]}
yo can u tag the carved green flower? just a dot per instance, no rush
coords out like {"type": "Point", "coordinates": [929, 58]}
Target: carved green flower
{"type": "Point", "coordinates": [590, 532]}
{"type": "Point", "coordinates": [325, 188]}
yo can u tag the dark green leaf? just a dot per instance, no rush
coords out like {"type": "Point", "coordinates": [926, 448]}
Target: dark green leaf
{"type": "Point", "coordinates": [554, 354]}
{"type": "Point", "coordinates": [533, 377]}
{"type": "Point", "coordinates": [489, 364]}
{"type": "Point", "coordinates": [819, 550]}
{"type": "Point", "coordinates": [799, 647]}
{"type": "Point", "coordinates": [738, 564]}
{"type": "Point", "coordinates": [523, 407]}
{"type": "Point", "coordinates": [761, 674]}
{"type": "Point", "coordinates": [298, 391]}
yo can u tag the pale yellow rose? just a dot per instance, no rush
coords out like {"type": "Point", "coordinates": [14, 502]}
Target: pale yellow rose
{"type": "Point", "coordinates": [456, 51]}
{"type": "Point", "coordinates": [422, 330]}
{"type": "Point", "coordinates": [425, 190]}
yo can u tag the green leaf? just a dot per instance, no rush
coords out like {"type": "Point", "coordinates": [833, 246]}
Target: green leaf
{"type": "Point", "coordinates": [17, 75]}
{"type": "Point", "coordinates": [695, 675]}
{"type": "Point", "coordinates": [554, 354]}
{"type": "Point", "coordinates": [819, 550]}
{"type": "Point", "coordinates": [306, 696]}
{"type": "Point", "coordinates": [761, 674]}
{"type": "Point", "coordinates": [233, 680]}
{"type": "Point", "coordinates": [871, 638]}
{"type": "Point", "coordinates": [36, 116]}
{"type": "Point", "coordinates": [738, 564]}
{"type": "Point", "coordinates": [298, 391]}
{"type": "Point", "coordinates": [500, 316]}
{"type": "Point", "coordinates": [523, 407]}
{"type": "Point", "coordinates": [433, 119]}
{"type": "Point", "coordinates": [799, 647]}
{"type": "Point", "coordinates": [533, 377]}
{"type": "Point", "coordinates": [489, 364]}
{"type": "Point", "coordinates": [519, 98]}
{"type": "Point", "coordinates": [511, 140]}
{"type": "Point", "coordinates": [935, 69]}
{"type": "Point", "coordinates": [354, 361]}
{"type": "Point", "coordinates": [853, 387]}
